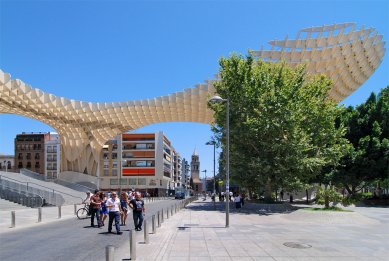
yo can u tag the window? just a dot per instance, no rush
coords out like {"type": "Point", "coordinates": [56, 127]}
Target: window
{"type": "Point", "coordinates": [132, 182]}
{"type": "Point", "coordinates": [105, 172]}
{"type": "Point", "coordinates": [141, 181]}
{"type": "Point", "coordinates": [114, 172]}
{"type": "Point", "coordinates": [37, 166]}
{"type": "Point", "coordinates": [20, 166]}
{"type": "Point", "coordinates": [20, 156]}
{"type": "Point", "coordinates": [28, 165]}
{"type": "Point", "coordinates": [141, 146]}
{"type": "Point", "coordinates": [28, 156]}
{"type": "Point", "coordinates": [37, 156]}
{"type": "Point", "coordinates": [114, 182]}
{"type": "Point", "coordinates": [123, 182]}
{"type": "Point", "coordinates": [54, 166]}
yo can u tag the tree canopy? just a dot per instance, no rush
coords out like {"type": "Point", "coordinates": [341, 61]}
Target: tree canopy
{"type": "Point", "coordinates": [368, 132]}
{"type": "Point", "coordinates": [282, 125]}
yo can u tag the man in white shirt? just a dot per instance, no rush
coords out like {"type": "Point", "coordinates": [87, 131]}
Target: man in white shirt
{"type": "Point", "coordinates": [114, 208]}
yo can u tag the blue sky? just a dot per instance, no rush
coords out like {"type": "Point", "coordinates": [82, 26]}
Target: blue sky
{"type": "Point", "coordinates": [128, 50]}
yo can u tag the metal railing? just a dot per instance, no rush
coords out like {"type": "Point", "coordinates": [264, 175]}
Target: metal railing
{"type": "Point", "coordinates": [23, 198]}
{"type": "Point", "coordinates": [51, 196]}
{"type": "Point", "coordinates": [74, 186]}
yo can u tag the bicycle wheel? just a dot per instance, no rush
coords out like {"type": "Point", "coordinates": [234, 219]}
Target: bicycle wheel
{"type": "Point", "coordinates": [82, 213]}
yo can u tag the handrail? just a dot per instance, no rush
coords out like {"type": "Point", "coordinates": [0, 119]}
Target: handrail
{"type": "Point", "coordinates": [21, 182]}
{"type": "Point", "coordinates": [59, 181]}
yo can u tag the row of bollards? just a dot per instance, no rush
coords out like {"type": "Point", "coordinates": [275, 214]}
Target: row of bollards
{"type": "Point", "coordinates": [155, 222]}
{"type": "Point", "coordinates": [13, 216]}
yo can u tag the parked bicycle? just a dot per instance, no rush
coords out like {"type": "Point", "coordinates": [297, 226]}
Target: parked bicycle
{"type": "Point", "coordinates": [83, 212]}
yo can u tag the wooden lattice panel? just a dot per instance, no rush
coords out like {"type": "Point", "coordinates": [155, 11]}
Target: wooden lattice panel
{"type": "Point", "coordinates": [346, 55]}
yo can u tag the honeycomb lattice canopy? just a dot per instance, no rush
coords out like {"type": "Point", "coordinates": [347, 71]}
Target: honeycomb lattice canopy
{"type": "Point", "coordinates": [346, 55]}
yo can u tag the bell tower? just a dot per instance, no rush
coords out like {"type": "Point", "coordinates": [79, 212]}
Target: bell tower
{"type": "Point", "coordinates": [195, 171]}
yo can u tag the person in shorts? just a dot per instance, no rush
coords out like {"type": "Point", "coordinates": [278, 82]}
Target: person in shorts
{"type": "Point", "coordinates": [124, 205]}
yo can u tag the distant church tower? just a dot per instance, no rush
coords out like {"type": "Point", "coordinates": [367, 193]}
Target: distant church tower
{"type": "Point", "coordinates": [195, 172]}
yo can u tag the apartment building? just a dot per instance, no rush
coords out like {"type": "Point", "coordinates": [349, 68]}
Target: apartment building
{"type": "Point", "coordinates": [147, 164]}
{"type": "Point", "coordinates": [52, 157]}
{"type": "Point", "coordinates": [185, 175]}
{"type": "Point", "coordinates": [30, 150]}
{"type": "Point", "coordinates": [38, 152]}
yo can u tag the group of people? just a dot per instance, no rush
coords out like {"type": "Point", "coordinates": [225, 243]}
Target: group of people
{"type": "Point", "coordinates": [102, 205]}
{"type": "Point", "coordinates": [238, 198]}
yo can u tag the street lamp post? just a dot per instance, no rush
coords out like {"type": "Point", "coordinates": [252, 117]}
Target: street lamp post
{"type": "Point", "coordinates": [205, 181]}
{"type": "Point", "coordinates": [214, 180]}
{"type": "Point", "coordinates": [218, 99]}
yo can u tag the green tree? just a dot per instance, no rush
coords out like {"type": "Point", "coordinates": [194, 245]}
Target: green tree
{"type": "Point", "coordinates": [368, 132]}
{"type": "Point", "coordinates": [281, 122]}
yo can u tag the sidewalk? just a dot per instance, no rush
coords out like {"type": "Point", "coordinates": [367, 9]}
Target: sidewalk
{"type": "Point", "coordinates": [198, 233]}
{"type": "Point", "coordinates": [28, 217]}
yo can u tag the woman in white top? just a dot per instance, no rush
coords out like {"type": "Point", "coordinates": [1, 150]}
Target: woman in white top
{"type": "Point", "coordinates": [237, 201]}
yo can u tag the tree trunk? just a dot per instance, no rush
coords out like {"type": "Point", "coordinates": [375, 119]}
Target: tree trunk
{"type": "Point", "coordinates": [326, 198]}
{"type": "Point", "coordinates": [268, 191]}
{"type": "Point", "coordinates": [306, 192]}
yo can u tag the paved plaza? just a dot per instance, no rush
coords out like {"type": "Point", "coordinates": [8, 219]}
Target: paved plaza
{"type": "Point", "coordinates": [198, 233]}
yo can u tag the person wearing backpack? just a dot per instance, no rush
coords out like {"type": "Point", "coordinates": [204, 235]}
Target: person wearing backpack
{"type": "Point", "coordinates": [138, 211]}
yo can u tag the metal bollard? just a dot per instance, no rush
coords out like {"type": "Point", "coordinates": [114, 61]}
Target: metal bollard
{"type": "Point", "coordinates": [162, 216]}
{"type": "Point", "coordinates": [109, 253]}
{"type": "Point", "coordinates": [167, 213]}
{"type": "Point", "coordinates": [153, 230]}
{"type": "Point", "coordinates": [59, 212]}
{"type": "Point", "coordinates": [132, 244]}
{"type": "Point", "coordinates": [171, 211]}
{"type": "Point", "coordinates": [75, 209]}
{"type": "Point", "coordinates": [158, 219]}
{"type": "Point", "coordinates": [39, 214]}
{"type": "Point", "coordinates": [12, 218]}
{"type": "Point", "coordinates": [146, 231]}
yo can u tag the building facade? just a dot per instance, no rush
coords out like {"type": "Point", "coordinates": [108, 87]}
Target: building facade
{"type": "Point", "coordinates": [52, 157]}
{"type": "Point", "coordinates": [185, 174]}
{"type": "Point", "coordinates": [30, 151]}
{"type": "Point", "coordinates": [195, 172]}
{"type": "Point", "coordinates": [7, 163]}
{"type": "Point", "coordinates": [147, 164]}
{"type": "Point", "coordinates": [38, 152]}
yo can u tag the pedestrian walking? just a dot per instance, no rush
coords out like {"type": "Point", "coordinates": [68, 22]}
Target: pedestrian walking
{"type": "Point", "coordinates": [237, 201]}
{"type": "Point", "coordinates": [104, 209]}
{"type": "Point", "coordinates": [95, 203]}
{"type": "Point", "coordinates": [113, 204]}
{"type": "Point", "coordinates": [124, 205]}
{"type": "Point", "coordinates": [138, 211]}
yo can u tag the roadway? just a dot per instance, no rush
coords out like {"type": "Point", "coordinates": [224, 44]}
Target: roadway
{"type": "Point", "coordinates": [70, 239]}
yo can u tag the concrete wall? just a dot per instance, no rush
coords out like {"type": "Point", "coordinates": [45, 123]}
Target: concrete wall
{"type": "Point", "coordinates": [80, 178]}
